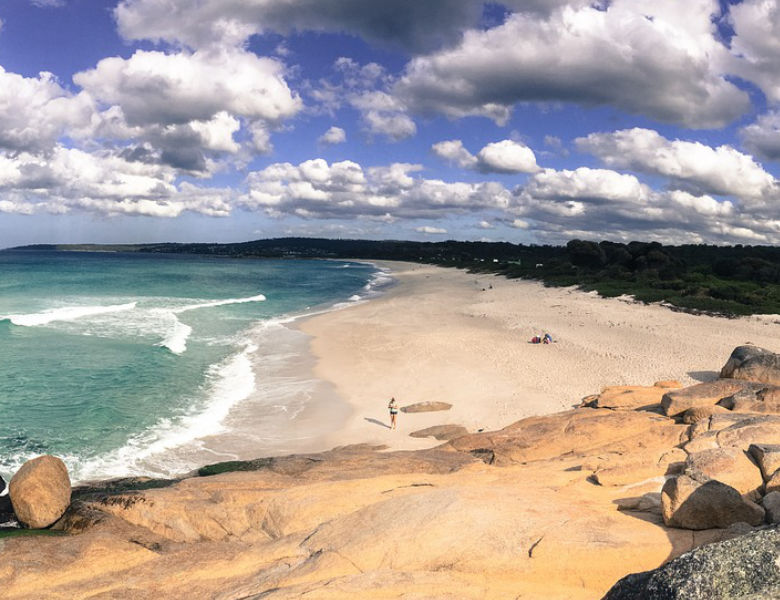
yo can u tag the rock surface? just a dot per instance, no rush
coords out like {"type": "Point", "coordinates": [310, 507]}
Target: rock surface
{"type": "Point", "coordinates": [40, 491]}
{"type": "Point", "coordinates": [691, 504]}
{"type": "Point", "coordinates": [771, 504]}
{"type": "Point", "coordinates": [753, 364]}
{"type": "Point", "coordinates": [449, 522]}
{"type": "Point", "coordinates": [429, 406]}
{"type": "Point", "coordinates": [699, 413]}
{"type": "Point", "coordinates": [676, 402]}
{"type": "Point", "coordinates": [728, 465]}
{"type": "Point", "coordinates": [745, 568]}
{"type": "Point", "coordinates": [633, 397]}
{"type": "Point", "coordinates": [440, 432]}
{"type": "Point", "coordinates": [767, 456]}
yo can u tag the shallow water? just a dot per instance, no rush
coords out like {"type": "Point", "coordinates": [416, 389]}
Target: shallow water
{"type": "Point", "coordinates": [136, 364]}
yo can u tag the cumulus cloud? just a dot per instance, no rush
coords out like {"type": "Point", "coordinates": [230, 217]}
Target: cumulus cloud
{"type": "Point", "coordinates": [506, 157]}
{"type": "Point", "coordinates": [658, 58]}
{"type": "Point", "coordinates": [611, 205]}
{"type": "Point", "coordinates": [187, 110]}
{"type": "Point", "coordinates": [316, 189]}
{"type": "Point", "coordinates": [722, 170]}
{"type": "Point", "coordinates": [69, 179]}
{"type": "Point", "coordinates": [763, 136]}
{"type": "Point", "coordinates": [429, 230]}
{"type": "Point", "coordinates": [36, 111]}
{"type": "Point", "coordinates": [334, 135]}
{"type": "Point", "coordinates": [154, 87]}
{"type": "Point", "coordinates": [756, 44]}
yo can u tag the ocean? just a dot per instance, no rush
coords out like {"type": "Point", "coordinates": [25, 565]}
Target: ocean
{"type": "Point", "coordinates": [136, 364]}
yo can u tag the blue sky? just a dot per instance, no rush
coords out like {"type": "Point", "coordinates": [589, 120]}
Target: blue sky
{"type": "Point", "coordinates": [532, 121]}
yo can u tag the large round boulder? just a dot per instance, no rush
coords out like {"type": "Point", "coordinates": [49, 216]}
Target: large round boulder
{"type": "Point", "coordinates": [753, 364]}
{"type": "Point", "coordinates": [40, 491]}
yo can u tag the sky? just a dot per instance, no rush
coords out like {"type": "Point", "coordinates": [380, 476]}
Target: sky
{"type": "Point", "coordinates": [529, 121]}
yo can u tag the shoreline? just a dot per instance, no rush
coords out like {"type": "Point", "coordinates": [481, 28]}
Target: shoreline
{"type": "Point", "coordinates": [447, 335]}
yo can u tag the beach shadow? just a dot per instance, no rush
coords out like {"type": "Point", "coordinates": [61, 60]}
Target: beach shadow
{"type": "Point", "coordinates": [377, 422]}
{"type": "Point", "coordinates": [704, 375]}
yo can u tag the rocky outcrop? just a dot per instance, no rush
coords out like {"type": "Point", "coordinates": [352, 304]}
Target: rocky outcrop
{"type": "Point", "coordinates": [40, 491]}
{"type": "Point", "coordinates": [752, 363]}
{"type": "Point", "coordinates": [699, 413]}
{"type": "Point", "coordinates": [579, 432]}
{"type": "Point", "coordinates": [771, 504]}
{"type": "Point", "coordinates": [428, 406]}
{"type": "Point", "coordinates": [676, 402]}
{"type": "Point", "coordinates": [744, 568]}
{"type": "Point", "coordinates": [691, 504]}
{"type": "Point", "coordinates": [728, 465]}
{"type": "Point", "coordinates": [440, 432]}
{"type": "Point", "coordinates": [767, 457]}
{"type": "Point", "coordinates": [756, 399]}
{"type": "Point", "coordinates": [633, 397]}
{"type": "Point", "coordinates": [453, 521]}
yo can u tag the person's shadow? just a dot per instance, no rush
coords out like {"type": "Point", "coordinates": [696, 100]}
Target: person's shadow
{"type": "Point", "coordinates": [377, 422]}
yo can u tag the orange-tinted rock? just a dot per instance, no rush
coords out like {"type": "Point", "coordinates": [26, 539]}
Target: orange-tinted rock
{"type": "Point", "coordinates": [576, 432]}
{"type": "Point", "coordinates": [629, 397]}
{"type": "Point", "coordinates": [40, 491]}
{"type": "Point", "coordinates": [676, 402]}
{"type": "Point", "coordinates": [426, 407]}
{"type": "Point", "coordinates": [767, 456]}
{"type": "Point", "coordinates": [730, 466]}
{"type": "Point", "coordinates": [698, 413]}
{"type": "Point", "coordinates": [690, 504]}
{"type": "Point", "coordinates": [440, 432]}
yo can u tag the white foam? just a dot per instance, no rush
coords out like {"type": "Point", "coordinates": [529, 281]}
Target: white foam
{"type": "Point", "coordinates": [177, 336]}
{"type": "Point", "coordinates": [214, 303]}
{"type": "Point", "coordinates": [178, 333]}
{"type": "Point", "coordinates": [230, 382]}
{"type": "Point", "coordinates": [68, 313]}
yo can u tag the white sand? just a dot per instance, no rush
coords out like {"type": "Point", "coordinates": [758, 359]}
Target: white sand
{"type": "Point", "coordinates": [437, 336]}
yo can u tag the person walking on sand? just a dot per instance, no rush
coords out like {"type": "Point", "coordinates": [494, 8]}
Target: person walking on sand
{"type": "Point", "coordinates": [393, 412]}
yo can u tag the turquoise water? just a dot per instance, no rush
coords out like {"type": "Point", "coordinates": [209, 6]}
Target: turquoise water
{"type": "Point", "coordinates": [107, 358]}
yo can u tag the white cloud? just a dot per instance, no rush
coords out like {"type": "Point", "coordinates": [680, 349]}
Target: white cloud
{"type": "Point", "coordinates": [454, 152]}
{"type": "Point", "coordinates": [653, 57]}
{"type": "Point", "coordinates": [763, 136]}
{"type": "Point", "coordinates": [316, 189]}
{"type": "Point", "coordinates": [35, 112]}
{"type": "Point", "coordinates": [520, 224]}
{"type": "Point", "coordinates": [187, 110]}
{"type": "Point", "coordinates": [428, 230]}
{"type": "Point", "coordinates": [506, 156]}
{"type": "Point", "coordinates": [721, 170]}
{"type": "Point", "coordinates": [158, 88]}
{"type": "Point", "coordinates": [70, 179]}
{"type": "Point", "coordinates": [334, 135]}
{"type": "Point", "coordinates": [756, 44]}
{"type": "Point", "coordinates": [395, 126]}
{"type": "Point", "coordinates": [485, 225]}
{"type": "Point", "coordinates": [560, 205]}
{"type": "Point", "coordinates": [48, 3]}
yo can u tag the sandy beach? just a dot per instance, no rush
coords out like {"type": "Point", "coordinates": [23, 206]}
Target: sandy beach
{"type": "Point", "coordinates": [447, 335]}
